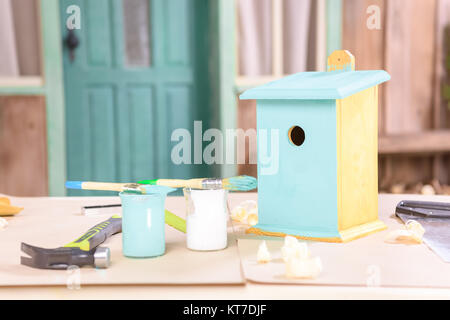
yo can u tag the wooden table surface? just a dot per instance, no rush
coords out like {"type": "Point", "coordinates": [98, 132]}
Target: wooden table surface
{"type": "Point", "coordinates": [249, 290]}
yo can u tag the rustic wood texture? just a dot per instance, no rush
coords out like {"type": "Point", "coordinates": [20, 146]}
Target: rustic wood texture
{"type": "Point", "coordinates": [409, 57]}
{"type": "Point", "coordinates": [429, 142]}
{"type": "Point", "coordinates": [366, 45]}
{"type": "Point", "coordinates": [23, 146]}
{"type": "Point", "coordinates": [357, 193]}
{"type": "Point", "coordinates": [441, 163]}
{"type": "Point", "coordinates": [409, 46]}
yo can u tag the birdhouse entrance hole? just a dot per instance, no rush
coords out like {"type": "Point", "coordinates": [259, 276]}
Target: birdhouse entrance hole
{"type": "Point", "coordinates": [296, 136]}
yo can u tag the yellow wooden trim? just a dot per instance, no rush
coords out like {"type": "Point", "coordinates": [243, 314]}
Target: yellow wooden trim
{"type": "Point", "coordinates": [357, 159]}
{"type": "Point", "coordinates": [362, 230]}
{"type": "Point", "coordinates": [260, 232]}
{"type": "Point", "coordinates": [346, 235]}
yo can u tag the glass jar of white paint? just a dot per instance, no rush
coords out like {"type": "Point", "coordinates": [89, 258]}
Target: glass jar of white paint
{"type": "Point", "coordinates": [206, 219]}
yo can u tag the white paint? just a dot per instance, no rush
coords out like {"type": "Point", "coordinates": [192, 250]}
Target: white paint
{"type": "Point", "coordinates": [207, 217]}
{"type": "Point", "coordinates": [149, 218]}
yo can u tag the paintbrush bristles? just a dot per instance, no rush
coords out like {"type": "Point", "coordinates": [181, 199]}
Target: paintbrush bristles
{"type": "Point", "coordinates": [240, 183]}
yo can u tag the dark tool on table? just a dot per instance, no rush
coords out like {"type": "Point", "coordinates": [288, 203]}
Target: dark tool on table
{"type": "Point", "coordinates": [85, 251]}
{"type": "Point", "coordinates": [435, 218]}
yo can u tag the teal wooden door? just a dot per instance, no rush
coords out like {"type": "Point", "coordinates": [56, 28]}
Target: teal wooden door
{"type": "Point", "coordinates": [138, 73]}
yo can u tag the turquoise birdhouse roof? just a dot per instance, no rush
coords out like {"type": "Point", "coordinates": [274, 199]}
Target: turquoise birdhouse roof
{"type": "Point", "coordinates": [318, 85]}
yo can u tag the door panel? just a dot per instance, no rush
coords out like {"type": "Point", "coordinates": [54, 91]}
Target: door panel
{"type": "Point", "coordinates": [99, 37]}
{"type": "Point", "coordinates": [137, 32]}
{"type": "Point", "coordinates": [178, 35]}
{"type": "Point", "coordinates": [132, 83]}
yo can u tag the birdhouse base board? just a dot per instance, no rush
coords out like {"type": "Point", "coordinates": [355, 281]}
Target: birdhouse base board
{"type": "Point", "coordinates": [362, 230]}
{"type": "Point", "coordinates": [345, 235]}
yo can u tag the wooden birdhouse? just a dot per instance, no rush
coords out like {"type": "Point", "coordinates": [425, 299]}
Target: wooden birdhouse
{"type": "Point", "coordinates": [324, 185]}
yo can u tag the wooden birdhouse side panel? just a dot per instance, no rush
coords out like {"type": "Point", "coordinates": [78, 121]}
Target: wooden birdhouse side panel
{"type": "Point", "coordinates": [298, 195]}
{"type": "Point", "coordinates": [357, 158]}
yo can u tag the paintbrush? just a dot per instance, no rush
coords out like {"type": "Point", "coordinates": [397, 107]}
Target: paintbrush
{"type": "Point", "coordinates": [240, 183]}
{"type": "Point", "coordinates": [106, 186]}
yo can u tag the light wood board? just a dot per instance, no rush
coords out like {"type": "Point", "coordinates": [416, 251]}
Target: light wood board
{"type": "Point", "coordinates": [53, 222]}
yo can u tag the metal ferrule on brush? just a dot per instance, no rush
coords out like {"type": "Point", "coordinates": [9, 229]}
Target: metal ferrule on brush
{"type": "Point", "coordinates": [212, 184]}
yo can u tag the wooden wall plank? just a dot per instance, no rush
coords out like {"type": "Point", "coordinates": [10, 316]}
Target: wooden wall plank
{"type": "Point", "coordinates": [247, 120]}
{"type": "Point", "coordinates": [410, 61]}
{"type": "Point", "coordinates": [430, 142]}
{"type": "Point", "coordinates": [441, 164]}
{"type": "Point", "coordinates": [406, 47]}
{"type": "Point", "coordinates": [23, 146]}
{"type": "Point", "coordinates": [367, 45]}
{"type": "Point", "coordinates": [409, 58]}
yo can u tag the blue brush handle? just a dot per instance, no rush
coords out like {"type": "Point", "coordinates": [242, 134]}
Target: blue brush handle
{"type": "Point", "coordinates": [74, 184]}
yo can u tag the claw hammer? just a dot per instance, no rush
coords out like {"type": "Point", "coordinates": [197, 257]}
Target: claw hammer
{"type": "Point", "coordinates": [81, 252]}
{"type": "Point", "coordinates": [85, 251]}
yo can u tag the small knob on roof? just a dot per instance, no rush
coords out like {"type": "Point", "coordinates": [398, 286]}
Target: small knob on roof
{"type": "Point", "coordinates": [341, 60]}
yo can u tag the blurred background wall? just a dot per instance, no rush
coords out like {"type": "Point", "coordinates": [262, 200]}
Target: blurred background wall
{"type": "Point", "coordinates": [265, 40]}
{"type": "Point", "coordinates": [411, 44]}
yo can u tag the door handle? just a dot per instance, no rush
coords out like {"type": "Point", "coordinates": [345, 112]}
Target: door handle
{"type": "Point", "coordinates": [72, 42]}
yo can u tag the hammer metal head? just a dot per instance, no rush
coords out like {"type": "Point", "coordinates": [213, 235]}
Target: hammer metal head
{"type": "Point", "coordinates": [58, 258]}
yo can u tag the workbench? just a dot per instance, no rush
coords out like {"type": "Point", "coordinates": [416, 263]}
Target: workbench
{"type": "Point", "coordinates": [246, 289]}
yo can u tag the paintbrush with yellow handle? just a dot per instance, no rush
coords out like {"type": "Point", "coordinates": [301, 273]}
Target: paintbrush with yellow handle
{"type": "Point", "coordinates": [240, 183]}
{"type": "Point", "coordinates": [105, 186]}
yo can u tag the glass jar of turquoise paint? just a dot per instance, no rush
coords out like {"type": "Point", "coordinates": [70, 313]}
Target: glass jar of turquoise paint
{"type": "Point", "coordinates": [143, 222]}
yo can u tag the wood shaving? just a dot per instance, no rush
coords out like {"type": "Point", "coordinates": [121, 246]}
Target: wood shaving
{"type": "Point", "coordinates": [3, 223]}
{"type": "Point", "coordinates": [246, 212]}
{"type": "Point", "coordinates": [309, 268]}
{"type": "Point", "coordinates": [263, 255]}
{"type": "Point", "coordinates": [412, 234]}
{"type": "Point", "coordinates": [293, 248]}
{"type": "Point", "coordinates": [427, 190]}
{"type": "Point", "coordinates": [252, 219]}
{"type": "Point", "coordinates": [298, 261]}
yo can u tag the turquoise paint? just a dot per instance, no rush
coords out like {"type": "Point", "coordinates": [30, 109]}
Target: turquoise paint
{"type": "Point", "coordinates": [302, 194]}
{"type": "Point", "coordinates": [119, 120]}
{"type": "Point", "coordinates": [318, 85]}
{"type": "Point", "coordinates": [143, 222]}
